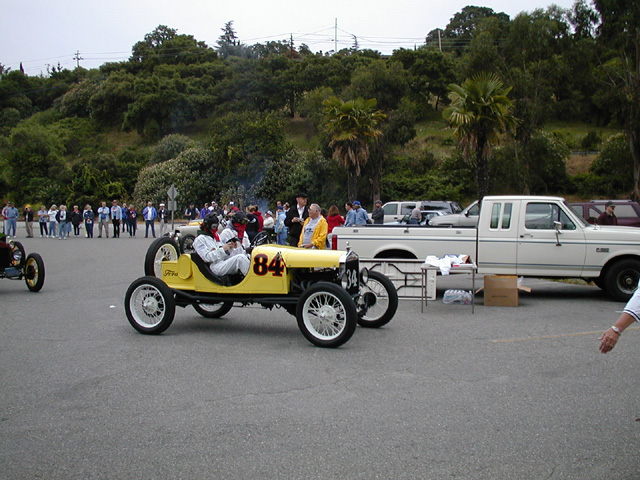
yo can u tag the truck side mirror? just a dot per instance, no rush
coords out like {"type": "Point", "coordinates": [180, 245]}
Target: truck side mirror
{"type": "Point", "coordinates": [558, 228]}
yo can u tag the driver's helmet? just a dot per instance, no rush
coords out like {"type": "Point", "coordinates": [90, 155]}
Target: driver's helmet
{"type": "Point", "coordinates": [239, 218]}
{"type": "Point", "coordinates": [210, 222]}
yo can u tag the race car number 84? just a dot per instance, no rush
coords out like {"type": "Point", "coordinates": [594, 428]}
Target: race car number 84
{"type": "Point", "coordinates": [262, 266]}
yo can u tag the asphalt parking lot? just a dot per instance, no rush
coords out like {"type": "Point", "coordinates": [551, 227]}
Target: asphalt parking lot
{"type": "Point", "coordinates": [506, 393]}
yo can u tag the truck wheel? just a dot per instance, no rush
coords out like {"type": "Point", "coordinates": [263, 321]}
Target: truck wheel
{"type": "Point", "coordinates": [163, 248]}
{"type": "Point", "coordinates": [34, 272]}
{"type": "Point", "coordinates": [380, 301]}
{"type": "Point", "coordinates": [326, 315]}
{"type": "Point", "coordinates": [149, 305]}
{"type": "Point", "coordinates": [186, 244]}
{"type": "Point", "coordinates": [213, 310]}
{"type": "Point", "coordinates": [621, 279]}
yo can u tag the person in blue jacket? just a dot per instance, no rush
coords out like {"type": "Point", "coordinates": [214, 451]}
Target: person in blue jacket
{"type": "Point", "coordinates": [149, 213]}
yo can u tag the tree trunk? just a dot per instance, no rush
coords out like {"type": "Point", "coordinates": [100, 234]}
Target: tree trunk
{"type": "Point", "coordinates": [482, 169]}
{"type": "Point", "coordinates": [352, 184]}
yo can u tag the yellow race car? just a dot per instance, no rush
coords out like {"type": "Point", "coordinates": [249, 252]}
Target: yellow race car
{"type": "Point", "coordinates": [324, 289]}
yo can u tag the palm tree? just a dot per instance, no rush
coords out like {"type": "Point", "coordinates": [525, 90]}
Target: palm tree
{"type": "Point", "coordinates": [480, 111]}
{"type": "Point", "coordinates": [351, 126]}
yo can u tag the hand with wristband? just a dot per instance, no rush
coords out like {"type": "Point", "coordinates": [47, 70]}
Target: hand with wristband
{"type": "Point", "coordinates": [630, 314]}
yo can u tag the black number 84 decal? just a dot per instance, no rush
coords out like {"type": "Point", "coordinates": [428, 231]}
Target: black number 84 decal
{"type": "Point", "coordinates": [262, 266]}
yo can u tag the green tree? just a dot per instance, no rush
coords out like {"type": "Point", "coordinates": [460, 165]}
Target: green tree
{"type": "Point", "coordinates": [480, 111]}
{"type": "Point", "coordinates": [620, 30]}
{"type": "Point", "coordinates": [351, 126]}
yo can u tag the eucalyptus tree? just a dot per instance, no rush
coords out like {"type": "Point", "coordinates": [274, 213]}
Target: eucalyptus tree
{"type": "Point", "coordinates": [480, 111]}
{"type": "Point", "coordinates": [351, 126]}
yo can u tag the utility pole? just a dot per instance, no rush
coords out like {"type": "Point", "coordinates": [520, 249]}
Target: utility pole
{"type": "Point", "coordinates": [335, 38]}
{"type": "Point", "coordinates": [77, 58]}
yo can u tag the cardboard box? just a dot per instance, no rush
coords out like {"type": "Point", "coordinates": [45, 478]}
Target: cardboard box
{"type": "Point", "coordinates": [501, 290]}
{"type": "Point", "coordinates": [431, 285]}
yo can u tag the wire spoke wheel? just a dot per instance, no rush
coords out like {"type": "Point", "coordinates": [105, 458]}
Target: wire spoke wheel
{"type": "Point", "coordinates": [149, 305]}
{"type": "Point", "coordinates": [326, 315]}
{"type": "Point", "coordinates": [380, 301]}
{"type": "Point", "coordinates": [162, 249]}
{"type": "Point", "coordinates": [213, 310]}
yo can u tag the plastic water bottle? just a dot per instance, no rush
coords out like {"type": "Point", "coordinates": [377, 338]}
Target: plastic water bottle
{"type": "Point", "coordinates": [457, 297]}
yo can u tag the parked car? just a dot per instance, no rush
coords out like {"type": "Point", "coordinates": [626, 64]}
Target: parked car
{"type": "Point", "coordinates": [586, 210]}
{"type": "Point", "coordinates": [627, 211]}
{"type": "Point", "coordinates": [427, 215]}
{"type": "Point", "coordinates": [467, 218]}
{"type": "Point", "coordinates": [395, 211]}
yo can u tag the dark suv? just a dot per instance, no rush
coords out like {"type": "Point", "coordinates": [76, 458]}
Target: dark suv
{"type": "Point", "coordinates": [627, 212]}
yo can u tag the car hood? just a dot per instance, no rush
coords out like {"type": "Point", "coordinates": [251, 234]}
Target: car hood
{"type": "Point", "coordinates": [614, 234]}
{"type": "Point", "coordinates": [294, 257]}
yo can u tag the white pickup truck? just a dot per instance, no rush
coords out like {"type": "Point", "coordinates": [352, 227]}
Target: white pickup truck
{"type": "Point", "coordinates": [530, 236]}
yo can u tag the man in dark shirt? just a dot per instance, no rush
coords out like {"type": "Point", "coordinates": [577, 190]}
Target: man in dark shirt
{"type": "Point", "coordinates": [378, 214]}
{"type": "Point", "coordinates": [608, 217]}
{"type": "Point", "coordinates": [295, 218]}
{"type": "Point", "coordinates": [191, 213]}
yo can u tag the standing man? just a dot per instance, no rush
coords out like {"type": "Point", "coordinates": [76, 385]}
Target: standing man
{"type": "Point", "coordinates": [103, 220]}
{"type": "Point", "coordinates": [191, 213]}
{"type": "Point", "coordinates": [314, 230]}
{"type": "Point", "coordinates": [350, 216]}
{"type": "Point", "coordinates": [3, 217]}
{"type": "Point", "coordinates": [149, 213]}
{"type": "Point", "coordinates": [295, 218]}
{"type": "Point", "coordinates": [362, 216]}
{"type": "Point", "coordinates": [378, 214]}
{"type": "Point", "coordinates": [162, 215]}
{"type": "Point", "coordinates": [28, 220]}
{"type": "Point", "coordinates": [12, 219]}
{"type": "Point", "coordinates": [608, 217]}
{"type": "Point", "coordinates": [116, 217]}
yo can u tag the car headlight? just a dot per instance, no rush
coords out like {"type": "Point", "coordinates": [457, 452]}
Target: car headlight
{"type": "Point", "coordinates": [364, 275]}
{"type": "Point", "coordinates": [345, 281]}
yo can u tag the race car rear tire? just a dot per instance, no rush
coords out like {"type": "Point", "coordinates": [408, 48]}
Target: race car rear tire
{"type": "Point", "coordinates": [326, 315]}
{"type": "Point", "coordinates": [186, 244]}
{"type": "Point", "coordinates": [213, 310]}
{"type": "Point", "coordinates": [34, 272]}
{"type": "Point", "coordinates": [149, 305]}
{"type": "Point", "coordinates": [385, 301]}
{"type": "Point", "coordinates": [163, 248]}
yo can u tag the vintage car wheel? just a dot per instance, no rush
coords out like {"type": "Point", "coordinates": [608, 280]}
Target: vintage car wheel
{"type": "Point", "coordinates": [163, 248]}
{"type": "Point", "coordinates": [213, 310]}
{"type": "Point", "coordinates": [186, 244]}
{"type": "Point", "coordinates": [18, 255]}
{"type": "Point", "coordinates": [382, 299]}
{"type": "Point", "coordinates": [149, 305]}
{"type": "Point", "coordinates": [621, 279]}
{"type": "Point", "coordinates": [326, 315]}
{"type": "Point", "coordinates": [34, 272]}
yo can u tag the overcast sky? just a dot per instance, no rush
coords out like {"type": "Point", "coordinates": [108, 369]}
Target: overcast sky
{"type": "Point", "coordinates": [41, 32]}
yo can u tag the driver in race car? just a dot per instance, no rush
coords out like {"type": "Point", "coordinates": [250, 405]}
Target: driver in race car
{"type": "Point", "coordinates": [225, 255]}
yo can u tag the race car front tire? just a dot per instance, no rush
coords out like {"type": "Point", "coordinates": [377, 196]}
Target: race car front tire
{"type": "Point", "coordinates": [326, 315]}
{"type": "Point", "coordinates": [149, 305]}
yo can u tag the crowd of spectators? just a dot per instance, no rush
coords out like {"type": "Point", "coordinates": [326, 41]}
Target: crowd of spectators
{"type": "Point", "coordinates": [307, 226]}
